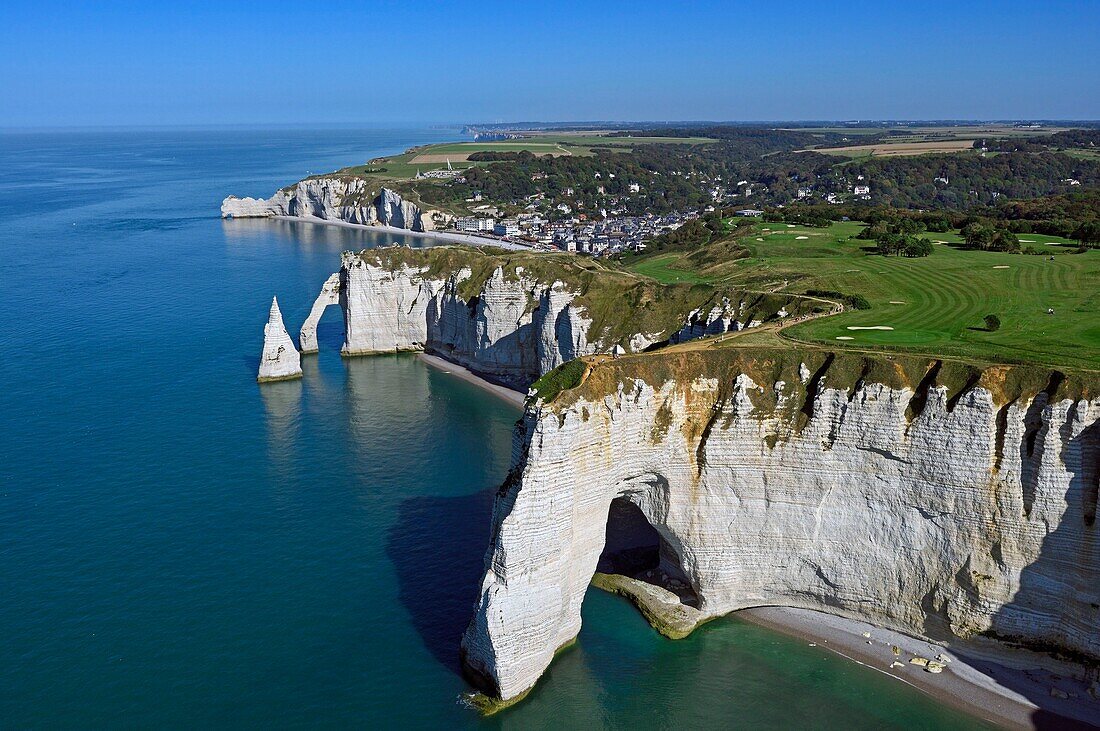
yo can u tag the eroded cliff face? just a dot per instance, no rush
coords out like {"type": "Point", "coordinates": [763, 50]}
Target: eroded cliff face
{"type": "Point", "coordinates": [345, 199]}
{"type": "Point", "coordinates": [514, 329]}
{"type": "Point", "coordinates": [519, 316]}
{"type": "Point", "coordinates": [930, 498]}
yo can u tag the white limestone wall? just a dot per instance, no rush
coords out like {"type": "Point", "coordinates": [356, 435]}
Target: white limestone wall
{"type": "Point", "coordinates": [502, 333]}
{"type": "Point", "coordinates": [332, 198]}
{"type": "Point", "coordinates": [918, 526]}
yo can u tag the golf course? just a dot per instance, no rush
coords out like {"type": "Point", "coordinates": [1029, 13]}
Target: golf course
{"type": "Point", "coordinates": [933, 305]}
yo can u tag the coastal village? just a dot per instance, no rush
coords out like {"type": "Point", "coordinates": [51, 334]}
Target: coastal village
{"type": "Point", "coordinates": [577, 234]}
{"type": "Point", "coordinates": [561, 222]}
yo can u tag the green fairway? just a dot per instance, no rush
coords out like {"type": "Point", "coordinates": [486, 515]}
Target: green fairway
{"type": "Point", "coordinates": [658, 268]}
{"type": "Point", "coordinates": [933, 305]}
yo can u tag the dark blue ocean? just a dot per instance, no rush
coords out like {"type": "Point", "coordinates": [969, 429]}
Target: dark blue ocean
{"type": "Point", "coordinates": [181, 547]}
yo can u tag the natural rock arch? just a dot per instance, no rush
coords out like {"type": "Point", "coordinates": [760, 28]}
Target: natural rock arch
{"type": "Point", "coordinates": [762, 508]}
{"type": "Point", "coordinates": [330, 295]}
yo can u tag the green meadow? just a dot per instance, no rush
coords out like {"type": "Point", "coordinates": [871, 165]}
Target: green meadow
{"type": "Point", "coordinates": [933, 305]}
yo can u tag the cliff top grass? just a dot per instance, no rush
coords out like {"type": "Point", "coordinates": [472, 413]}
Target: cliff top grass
{"type": "Point", "coordinates": [933, 305]}
{"type": "Point", "coordinates": [619, 303]}
{"type": "Point", "coordinates": [835, 369]}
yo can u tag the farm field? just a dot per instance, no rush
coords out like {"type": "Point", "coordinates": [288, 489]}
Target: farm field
{"type": "Point", "coordinates": [894, 148]}
{"type": "Point", "coordinates": [919, 134]}
{"type": "Point", "coordinates": [933, 305]}
{"type": "Point", "coordinates": [920, 140]}
{"type": "Point", "coordinates": [433, 157]}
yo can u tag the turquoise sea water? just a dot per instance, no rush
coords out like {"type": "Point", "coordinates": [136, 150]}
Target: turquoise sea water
{"type": "Point", "coordinates": [180, 547]}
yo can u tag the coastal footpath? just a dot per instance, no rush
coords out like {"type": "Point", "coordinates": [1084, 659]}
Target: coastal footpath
{"type": "Point", "coordinates": [939, 499]}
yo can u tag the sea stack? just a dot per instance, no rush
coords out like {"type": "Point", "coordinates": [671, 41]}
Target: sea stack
{"type": "Point", "coordinates": [280, 360]}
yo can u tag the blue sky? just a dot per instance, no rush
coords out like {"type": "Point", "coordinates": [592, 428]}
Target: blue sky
{"type": "Point", "coordinates": [118, 63]}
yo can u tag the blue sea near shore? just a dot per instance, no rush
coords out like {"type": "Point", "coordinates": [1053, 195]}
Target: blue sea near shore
{"type": "Point", "coordinates": [180, 547]}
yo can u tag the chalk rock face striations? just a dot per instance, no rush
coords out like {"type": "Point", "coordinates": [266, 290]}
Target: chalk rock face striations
{"type": "Point", "coordinates": [345, 199]}
{"type": "Point", "coordinates": [932, 501]}
{"type": "Point", "coordinates": [280, 360]}
{"type": "Point", "coordinates": [513, 317]}
{"type": "Point", "coordinates": [496, 331]}
{"type": "Point", "coordinates": [330, 295]}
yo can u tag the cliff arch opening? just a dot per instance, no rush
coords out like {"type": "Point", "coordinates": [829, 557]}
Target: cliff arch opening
{"type": "Point", "coordinates": [636, 549]}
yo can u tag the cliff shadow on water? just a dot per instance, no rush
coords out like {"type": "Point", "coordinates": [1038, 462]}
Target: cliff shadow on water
{"type": "Point", "coordinates": [437, 546]}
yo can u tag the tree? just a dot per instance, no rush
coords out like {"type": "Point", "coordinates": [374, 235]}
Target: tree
{"type": "Point", "coordinates": [1088, 233]}
{"type": "Point", "coordinates": [1005, 241]}
{"type": "Point", "coordinates": [938, 225]}
{"type": "Point", "coordinates": [977, 235]}
{"type": "Point", "coordinates": [889, 243]}
{"type": "Point", "coordinates": [992, 322]}
{"type": "Point", "coordinates": [918, 247]}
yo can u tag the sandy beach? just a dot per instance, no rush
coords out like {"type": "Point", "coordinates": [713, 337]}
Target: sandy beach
{"type": "Point", "coordinates": [449, 236]}
{"type": "Point", "coordinates": [508, 394]}
{"type": "Point", "coordinates": [1012, 688]}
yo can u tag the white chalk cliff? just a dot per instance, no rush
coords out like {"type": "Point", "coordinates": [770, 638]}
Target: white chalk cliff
{"type": "Point", "coordinates": [938, 513]}
{"type": "Point", "coordinates": [280, 360]}
{"type": "Point", "coordinates": [345, 199]}
{"type": "Point", "coordinates": [497, 333]}
{"type": "Point", "coordinates": [513, 326]}
{"type": "Point", "coordinates": [330, 295]}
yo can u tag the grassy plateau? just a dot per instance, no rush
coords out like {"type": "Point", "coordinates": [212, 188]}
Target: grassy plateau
{"type": "Point", "coordinates": [933, 305]}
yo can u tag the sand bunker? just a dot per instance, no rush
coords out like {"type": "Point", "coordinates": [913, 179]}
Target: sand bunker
{"type": "Point", "coordinates": [939, 242]}
{"type": "Point", "coordinates": [1001, 266]}
{"type": "Point", "coordinates": [790, 225]}
{"type": "Point", "coordinates": [870, 327]}
{"type": "Point", "coordinates": [760, 239]}
{"type": "Point", "coordinates": [1027, 241]}
{"type": "Point", "coordinates": [844, 337]}
{"type": "Point", "coordinates": [896, 302]}
{"type": "Point", "coordinates": [800, 238]}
